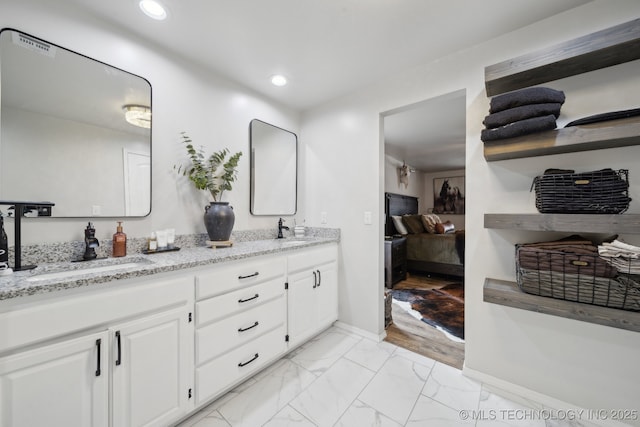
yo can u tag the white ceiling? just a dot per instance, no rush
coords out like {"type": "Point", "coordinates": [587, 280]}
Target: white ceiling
{"type": "Point", "coordinates": [326, 48]}
{"type": "Point", "coordinates": [329, 48]}
{"type": "Point", "coordinates": [429, 136]}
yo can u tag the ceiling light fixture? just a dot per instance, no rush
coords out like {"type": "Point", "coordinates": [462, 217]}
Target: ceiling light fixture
{"type": "Point", "coordinates": [279, 80]}
{"type": "Point", "coordinates": [138, 115]}
{"type": "Point", "coordinates": [153, 9]}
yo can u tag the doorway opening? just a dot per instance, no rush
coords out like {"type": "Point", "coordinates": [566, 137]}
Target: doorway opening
{"type": "Point", "coordinates": [424, 185]}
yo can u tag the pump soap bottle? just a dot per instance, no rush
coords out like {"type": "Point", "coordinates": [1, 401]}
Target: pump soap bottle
{"type": "Point", "coordinates": [119, 242]}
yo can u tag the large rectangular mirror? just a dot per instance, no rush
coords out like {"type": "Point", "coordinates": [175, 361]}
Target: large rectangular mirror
{"type": "Point", "coordinates": [274, 169]}
{"type": "Point", "coordinates": [63, 133]}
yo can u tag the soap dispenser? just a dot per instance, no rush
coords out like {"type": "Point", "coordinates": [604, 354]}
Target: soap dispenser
{"type": "Point", "coordinates": [119, 242]}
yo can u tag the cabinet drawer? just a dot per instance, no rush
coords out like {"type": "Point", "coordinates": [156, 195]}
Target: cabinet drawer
{"type": "Point", "coordinates": [217, 375]}
{"type": "Point", "coordinates": [238, 274]}
{"type": "Point", "coordinates": [311, 258]}
{"type": "Point", "coordinates": [230, 303]}
{"type": "Point", "coordinates": [219, 337]}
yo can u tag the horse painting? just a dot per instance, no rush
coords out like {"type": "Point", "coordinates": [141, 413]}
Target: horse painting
{"type": "Point", "coordinates": [450, 198]}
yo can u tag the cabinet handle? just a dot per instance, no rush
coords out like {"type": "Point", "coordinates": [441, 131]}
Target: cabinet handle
{"type": "Point", "coordinates": [119, 345]}
{"type": "Point", "coordinates": [248, 299]}
{"type": "Point", "coordinates": [250, 327]}
{"type": "Point", "coordinates": [319, 278]}
{"type": "Point", "coordinates": [241, 364]}
{"type": "Point", "coordinates": [250, 275]}
{"type": "Point", "coordinates": [98, 344]}
{"type": "Point", "coordinates": [315, 280]}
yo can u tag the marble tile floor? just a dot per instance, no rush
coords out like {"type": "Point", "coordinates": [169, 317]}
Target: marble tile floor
{"type": "Point", "coordinates": [344, 380]}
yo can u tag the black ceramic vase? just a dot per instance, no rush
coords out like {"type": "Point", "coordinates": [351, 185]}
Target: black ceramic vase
{"type": "Point", "coordinates": [219, 219]}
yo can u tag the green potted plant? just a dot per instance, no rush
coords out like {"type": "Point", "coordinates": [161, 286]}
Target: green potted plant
{"type": "Point", "coordinates": [215, 174]}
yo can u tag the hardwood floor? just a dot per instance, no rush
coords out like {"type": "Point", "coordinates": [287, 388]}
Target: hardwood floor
{"type": "Point", "coordinates": [408, 332]}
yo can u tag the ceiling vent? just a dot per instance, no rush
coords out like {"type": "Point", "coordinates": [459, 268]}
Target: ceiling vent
{"type": "Point", "coordinates": [34, 44]}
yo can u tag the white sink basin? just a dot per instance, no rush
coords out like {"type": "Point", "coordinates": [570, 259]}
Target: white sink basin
{"type": "Point", "coordinates": [287, 243]}
{"type": "Point", "coordinates": [90, 270]}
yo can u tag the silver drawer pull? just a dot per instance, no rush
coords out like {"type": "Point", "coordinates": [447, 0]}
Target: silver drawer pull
{"type": "Point", "coordinates": [248, 299]}
{"type": "Point", "coordinates": [250, 327]}
{"type": "Point", "coordinates": [249, 276]}
{"type": "Point", "coordinates": [241, 364]}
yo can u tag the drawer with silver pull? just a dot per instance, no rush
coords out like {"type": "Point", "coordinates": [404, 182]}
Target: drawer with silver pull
{"type": "Point", "coordinates": [221, 336]}
{"type": "Point", "coordinates": [242, 273]}
{"type": "Point", "coordinates": [222, 306]}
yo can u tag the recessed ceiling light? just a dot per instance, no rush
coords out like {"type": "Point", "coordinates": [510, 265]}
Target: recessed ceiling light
{"type": "Point", "coordinates": [153, 9]}
{"type": "Point", "coordinates": [279, 80]}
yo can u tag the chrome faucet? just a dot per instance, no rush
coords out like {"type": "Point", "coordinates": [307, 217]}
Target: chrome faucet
{"type": "Point", "coordinates": [280, 228]}
{"type": "Point", "coordinates": [91, 243]}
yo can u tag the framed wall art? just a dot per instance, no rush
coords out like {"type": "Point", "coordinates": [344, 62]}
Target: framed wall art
{"type": "Point", "coordinates": [448, 195]}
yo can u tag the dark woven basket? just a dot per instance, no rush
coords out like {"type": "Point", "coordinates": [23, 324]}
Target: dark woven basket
{"type": "Point", "coordinates": [600, 192]}
{"type": "Point", "coordinates": [581, 278]}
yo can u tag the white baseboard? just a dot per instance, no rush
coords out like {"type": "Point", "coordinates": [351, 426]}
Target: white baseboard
{"type": "Point", "coordinates": [545, 400]}
{"type": "Point", "coordinates": [361, 332]}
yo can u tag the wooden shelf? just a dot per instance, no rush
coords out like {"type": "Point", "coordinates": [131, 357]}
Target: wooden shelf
{"type": "Point", "coordinates": [508, 294]}
{"type": "Point", "coordinates": [595, 136]}
{"type": "Point", "coordinates": [601, 49]}
{"type": "Point", "coordinates": [572, 223]}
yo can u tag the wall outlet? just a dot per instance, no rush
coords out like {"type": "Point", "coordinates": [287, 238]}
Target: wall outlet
{"type": "Point", "coordinates": [323, 217]}
{"type": "Point", "coordinates": [367, 218]}
{"type": "Point", "coordinates": [96, 210]}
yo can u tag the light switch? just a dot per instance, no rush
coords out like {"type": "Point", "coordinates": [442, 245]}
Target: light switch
{"type": "Point", "coordinates": [367, 218]}
{"type": "Point", "coordinates": [323, 217]}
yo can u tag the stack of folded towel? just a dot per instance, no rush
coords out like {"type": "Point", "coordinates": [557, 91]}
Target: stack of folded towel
{"type": "Point", "coordinates": [522, 112]}
{"type": "Point", "coordinates": [623, 256]}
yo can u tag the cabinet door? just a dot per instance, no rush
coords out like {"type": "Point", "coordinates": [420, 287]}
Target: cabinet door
{"type": "Point", "coordinates": [151, 360]}
{"type": "Point", "coordinates": [63, 384]}
{"type": "Point", "coordinates": [302, 306]}
{"type": "Point", "coordinates": [327, 291]}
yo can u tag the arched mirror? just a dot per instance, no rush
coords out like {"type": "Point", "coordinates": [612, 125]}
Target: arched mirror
{"type": "Point", "coordinates": [73, 130]}
{"type": "Point", "coordinates": [274, 169]}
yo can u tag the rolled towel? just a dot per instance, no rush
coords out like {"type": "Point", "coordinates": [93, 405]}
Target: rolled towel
{"type": "Point", "coordinates": [531, 95]}
{"type": "Point", "coordinates": [522, 127]}
{"type": "Point", "coordinates": [515, 114]}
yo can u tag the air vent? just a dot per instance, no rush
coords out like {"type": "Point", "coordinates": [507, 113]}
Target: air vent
{"type": "Point", "coordinates": [34, 44]}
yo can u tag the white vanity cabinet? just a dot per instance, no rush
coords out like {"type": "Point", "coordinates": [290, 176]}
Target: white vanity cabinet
{"type": "Point", "coordinates": [312, 302]}
{"type": "Point", "coordinates": [240, 321]}
{"type": "Point", "coordinates": [150, 369]}
{"type": "Point", "coordinates": [63, 384]}
{"type": "Point", "coordinates": [121, 356]}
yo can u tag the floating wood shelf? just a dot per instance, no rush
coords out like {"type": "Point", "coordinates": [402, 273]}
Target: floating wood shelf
{"type": "Point", "coordinates": [508, 294]}
{"type": "Point", "coordinates": [595, 136]}
{"type": "Point", "coordinates": [601, 49]}
{"type": "Point", "coordinates": [572, 223]}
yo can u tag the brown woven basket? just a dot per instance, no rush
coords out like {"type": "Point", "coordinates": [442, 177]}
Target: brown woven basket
{"type": "Point", "coordinates": [573, 277]}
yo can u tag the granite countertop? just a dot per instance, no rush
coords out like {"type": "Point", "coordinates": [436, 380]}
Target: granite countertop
{"type": "Point", "coordinates": [67, 275]}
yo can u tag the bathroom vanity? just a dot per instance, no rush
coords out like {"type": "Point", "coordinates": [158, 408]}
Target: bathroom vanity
{"type": "Point", "coordinates": [151, 339]}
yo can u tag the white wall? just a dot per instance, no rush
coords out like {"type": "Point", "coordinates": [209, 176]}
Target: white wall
{"type": "Point", "coordinates": [392, 182]}
{"type": "Point", "coordinates": [581, 363]}
{"type": "Point", "coordinates": [213, 110]}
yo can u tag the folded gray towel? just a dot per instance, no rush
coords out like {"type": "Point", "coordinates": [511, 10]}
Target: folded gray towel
{"type": "Point", "coordinates": [531, 95]}
{"type": "Point", "coordinates": [522, 127]}
{"type": "Point", "coordinates": [515, 114]}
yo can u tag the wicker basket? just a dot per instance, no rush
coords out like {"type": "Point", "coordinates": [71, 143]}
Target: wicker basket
{"type": "Point", "coordinates": [600, 192]}
{"type": "Point", "coordinates": [577, 277]}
